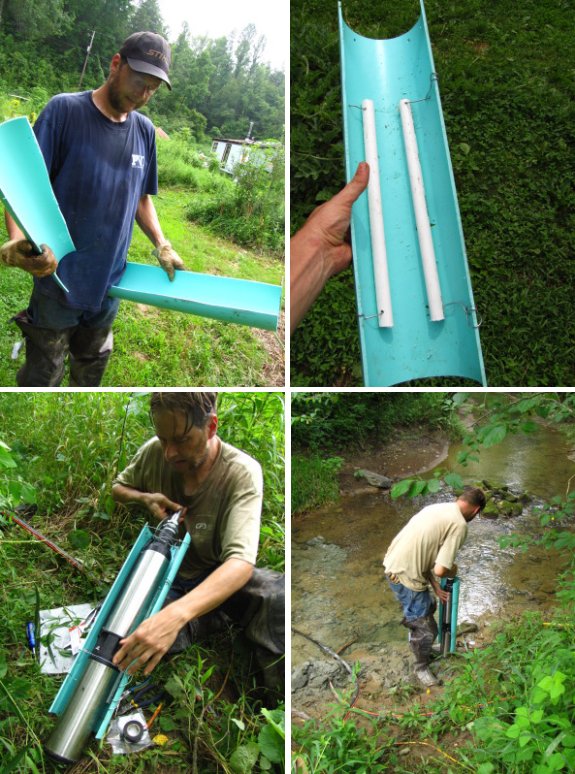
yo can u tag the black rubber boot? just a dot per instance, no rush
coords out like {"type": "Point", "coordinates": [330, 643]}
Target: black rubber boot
{"type": "Point", "coordinates": [422, 634]}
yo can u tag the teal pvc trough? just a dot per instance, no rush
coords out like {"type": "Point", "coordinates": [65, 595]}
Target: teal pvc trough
{"type": "Point", "coordinates": [420, 342]}
{"type": "Point", "coordinates": [26, 191]}
{"type": "Point", "coordinates": [222, 298]}
{"type": "Point", "coordinates": [73, 678]}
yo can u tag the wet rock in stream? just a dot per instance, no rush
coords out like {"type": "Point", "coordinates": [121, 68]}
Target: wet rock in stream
{"type": "Point", "coordinates": [502, 501]}
{"type": "Point", "coordinates": [374, 479]}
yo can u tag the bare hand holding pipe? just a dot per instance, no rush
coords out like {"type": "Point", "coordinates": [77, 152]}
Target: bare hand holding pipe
{"type": "Point", "coordinates": [319, 250]}
{"type": "Point", "coordinates": [157, 504]}
{"type": "Point", "coordinates": [145, 647]}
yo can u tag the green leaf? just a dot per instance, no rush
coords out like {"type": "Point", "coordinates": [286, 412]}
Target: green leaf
{"type": "Point", "coordinates": [513, 732]}
{"type": "Point", "coordinates": [271, 744]}
{"type": "Point", "coordinates": [556, 762]}
{"type": "Point", "coordinates": [244, 758]}
{"type": "Point", "coordinates": [417, 488]}
{"type": "Point", "coordinates": [401, 488]}
{"type": "Point", "coordinates": [239, 723]}
{"type": "Point", "coordinates": [494, 435]}
{"type": "Point", "coordinates": [433, 485]}
{"type": "Point", "coordinates": [6, 460]}
{"type": "Point", "coordinates": [166, 723]}
{"type": "Point", "coordinates": [175, 687]}
{"type": "Point", "coordinates": [277, 717]}
{"type": "Point", "coordinates": [454, 480]}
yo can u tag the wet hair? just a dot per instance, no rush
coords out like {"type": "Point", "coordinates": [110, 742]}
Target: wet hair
{"type": "Point", "coordinates": [197, 407]}
{"type": "Point", "coordinates": [473, 496]}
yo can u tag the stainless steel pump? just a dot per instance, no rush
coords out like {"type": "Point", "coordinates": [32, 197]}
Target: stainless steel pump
{"type": "Point", "coordinates": [98, 685]}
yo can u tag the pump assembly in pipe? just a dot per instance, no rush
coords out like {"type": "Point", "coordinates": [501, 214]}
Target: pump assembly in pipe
{"type": "Point", "coordinates": [88, 697]}
{"type": "Point", "coordinates": [447, 614]}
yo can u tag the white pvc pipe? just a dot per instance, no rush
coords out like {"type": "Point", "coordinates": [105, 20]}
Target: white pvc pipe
{"type": "Point", "coordinates": [421, 215]}
{"type": "Point", "coordinates": [378, 251]}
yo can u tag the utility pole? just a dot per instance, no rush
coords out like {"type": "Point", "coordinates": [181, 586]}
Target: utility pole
{"type": "Point", "coordinates": [86, 59]}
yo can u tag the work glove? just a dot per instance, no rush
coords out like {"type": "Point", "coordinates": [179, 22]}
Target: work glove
{"type": "Point", "coordinates": [20, 253]}
{"type": "Point", "coordinates": [169, 259]}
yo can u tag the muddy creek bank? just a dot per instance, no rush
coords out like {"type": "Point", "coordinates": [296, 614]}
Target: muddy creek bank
{"type": "Point", "coordinates": [339, 593]}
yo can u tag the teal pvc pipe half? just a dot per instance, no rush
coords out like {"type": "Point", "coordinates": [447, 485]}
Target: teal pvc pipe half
{"type": "Point", "coordinates": [26, 190]}
{"type": "Point", "coordinates": [454, 612]}
{"type": "Point", "coordinates": [414, 347]}
{"type": "Point", "coordinates": [222, 298]}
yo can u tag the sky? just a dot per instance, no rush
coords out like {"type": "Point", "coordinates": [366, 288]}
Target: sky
{"type": "Point", "coordinates": [220, 18]}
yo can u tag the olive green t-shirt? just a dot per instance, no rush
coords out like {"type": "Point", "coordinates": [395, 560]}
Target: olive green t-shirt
{"type": "Point", "coordinates": [223, 516]}
{"type": "Point", "coordinates": [433, 536]}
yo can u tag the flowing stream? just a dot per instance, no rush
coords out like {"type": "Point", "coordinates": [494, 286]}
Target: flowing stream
{"type": "Point", "coordinates": [339, 593]}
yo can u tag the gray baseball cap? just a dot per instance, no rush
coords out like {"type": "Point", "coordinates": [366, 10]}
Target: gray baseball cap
{"type": "Point", "coordinates": [148, 52]}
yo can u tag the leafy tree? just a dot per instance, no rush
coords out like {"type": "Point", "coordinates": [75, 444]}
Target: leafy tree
{"type": "Point", "coordinates": [147, 17]}
{"type": "Point", "coordinates": [217, 83]}
{"type": "Point", "coordinates": [34, 19]}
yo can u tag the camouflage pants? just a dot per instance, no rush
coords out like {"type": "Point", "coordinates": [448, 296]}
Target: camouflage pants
{"type": "Point", "coordinates": [258, 609]}
{"type": "Point", "coordinates": [53, 333]}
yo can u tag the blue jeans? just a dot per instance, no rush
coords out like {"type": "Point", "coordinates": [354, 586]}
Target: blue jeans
{"type": "Point", "coordinates": [415, 604]}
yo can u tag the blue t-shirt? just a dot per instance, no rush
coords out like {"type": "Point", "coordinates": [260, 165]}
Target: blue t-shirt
{"type": "Point", "coordinates": [99, 171]}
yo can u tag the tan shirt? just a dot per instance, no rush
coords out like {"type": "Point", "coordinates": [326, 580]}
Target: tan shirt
{"type": "Point", "coordinates": [433, 536]}
{"type": "Point", "coordinates": [223, 516]}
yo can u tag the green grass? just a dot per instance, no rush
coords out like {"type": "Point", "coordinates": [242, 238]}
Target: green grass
{"type": "Point", "coordinates": [507, 707]}
{"type": "Point", "coordinates": [314, 481]}
{"type": "Point", "coordinates": [65, 451]}
{"type": "Point", "coordinates": [159, 347]}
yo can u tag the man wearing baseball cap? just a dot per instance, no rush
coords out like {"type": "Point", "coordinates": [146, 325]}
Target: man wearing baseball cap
{"type": "Point", "coordinates": [148, 53]}
{"type": "Point", "coordinates": [101, 157]}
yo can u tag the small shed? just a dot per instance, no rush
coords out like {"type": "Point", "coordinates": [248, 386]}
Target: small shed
{"type": "Point", "coordinates": [233, 152]}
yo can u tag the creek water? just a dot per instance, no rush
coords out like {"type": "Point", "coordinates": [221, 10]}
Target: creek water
{"type": "Point", "coordinates": [339, 592]}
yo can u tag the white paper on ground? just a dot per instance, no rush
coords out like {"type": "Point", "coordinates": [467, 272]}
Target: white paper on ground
{"type": "Point", "coordinates": [57, 655]}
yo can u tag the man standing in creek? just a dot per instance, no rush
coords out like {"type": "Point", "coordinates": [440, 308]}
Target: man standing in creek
{"type": "Point", "coordinates": [424, 550]}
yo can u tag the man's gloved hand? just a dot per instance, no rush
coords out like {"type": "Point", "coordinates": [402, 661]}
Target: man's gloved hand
{"type": "Point", "coordinates": [169, 259]}
{"type": "Point", "coordinates": [20, 253]}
